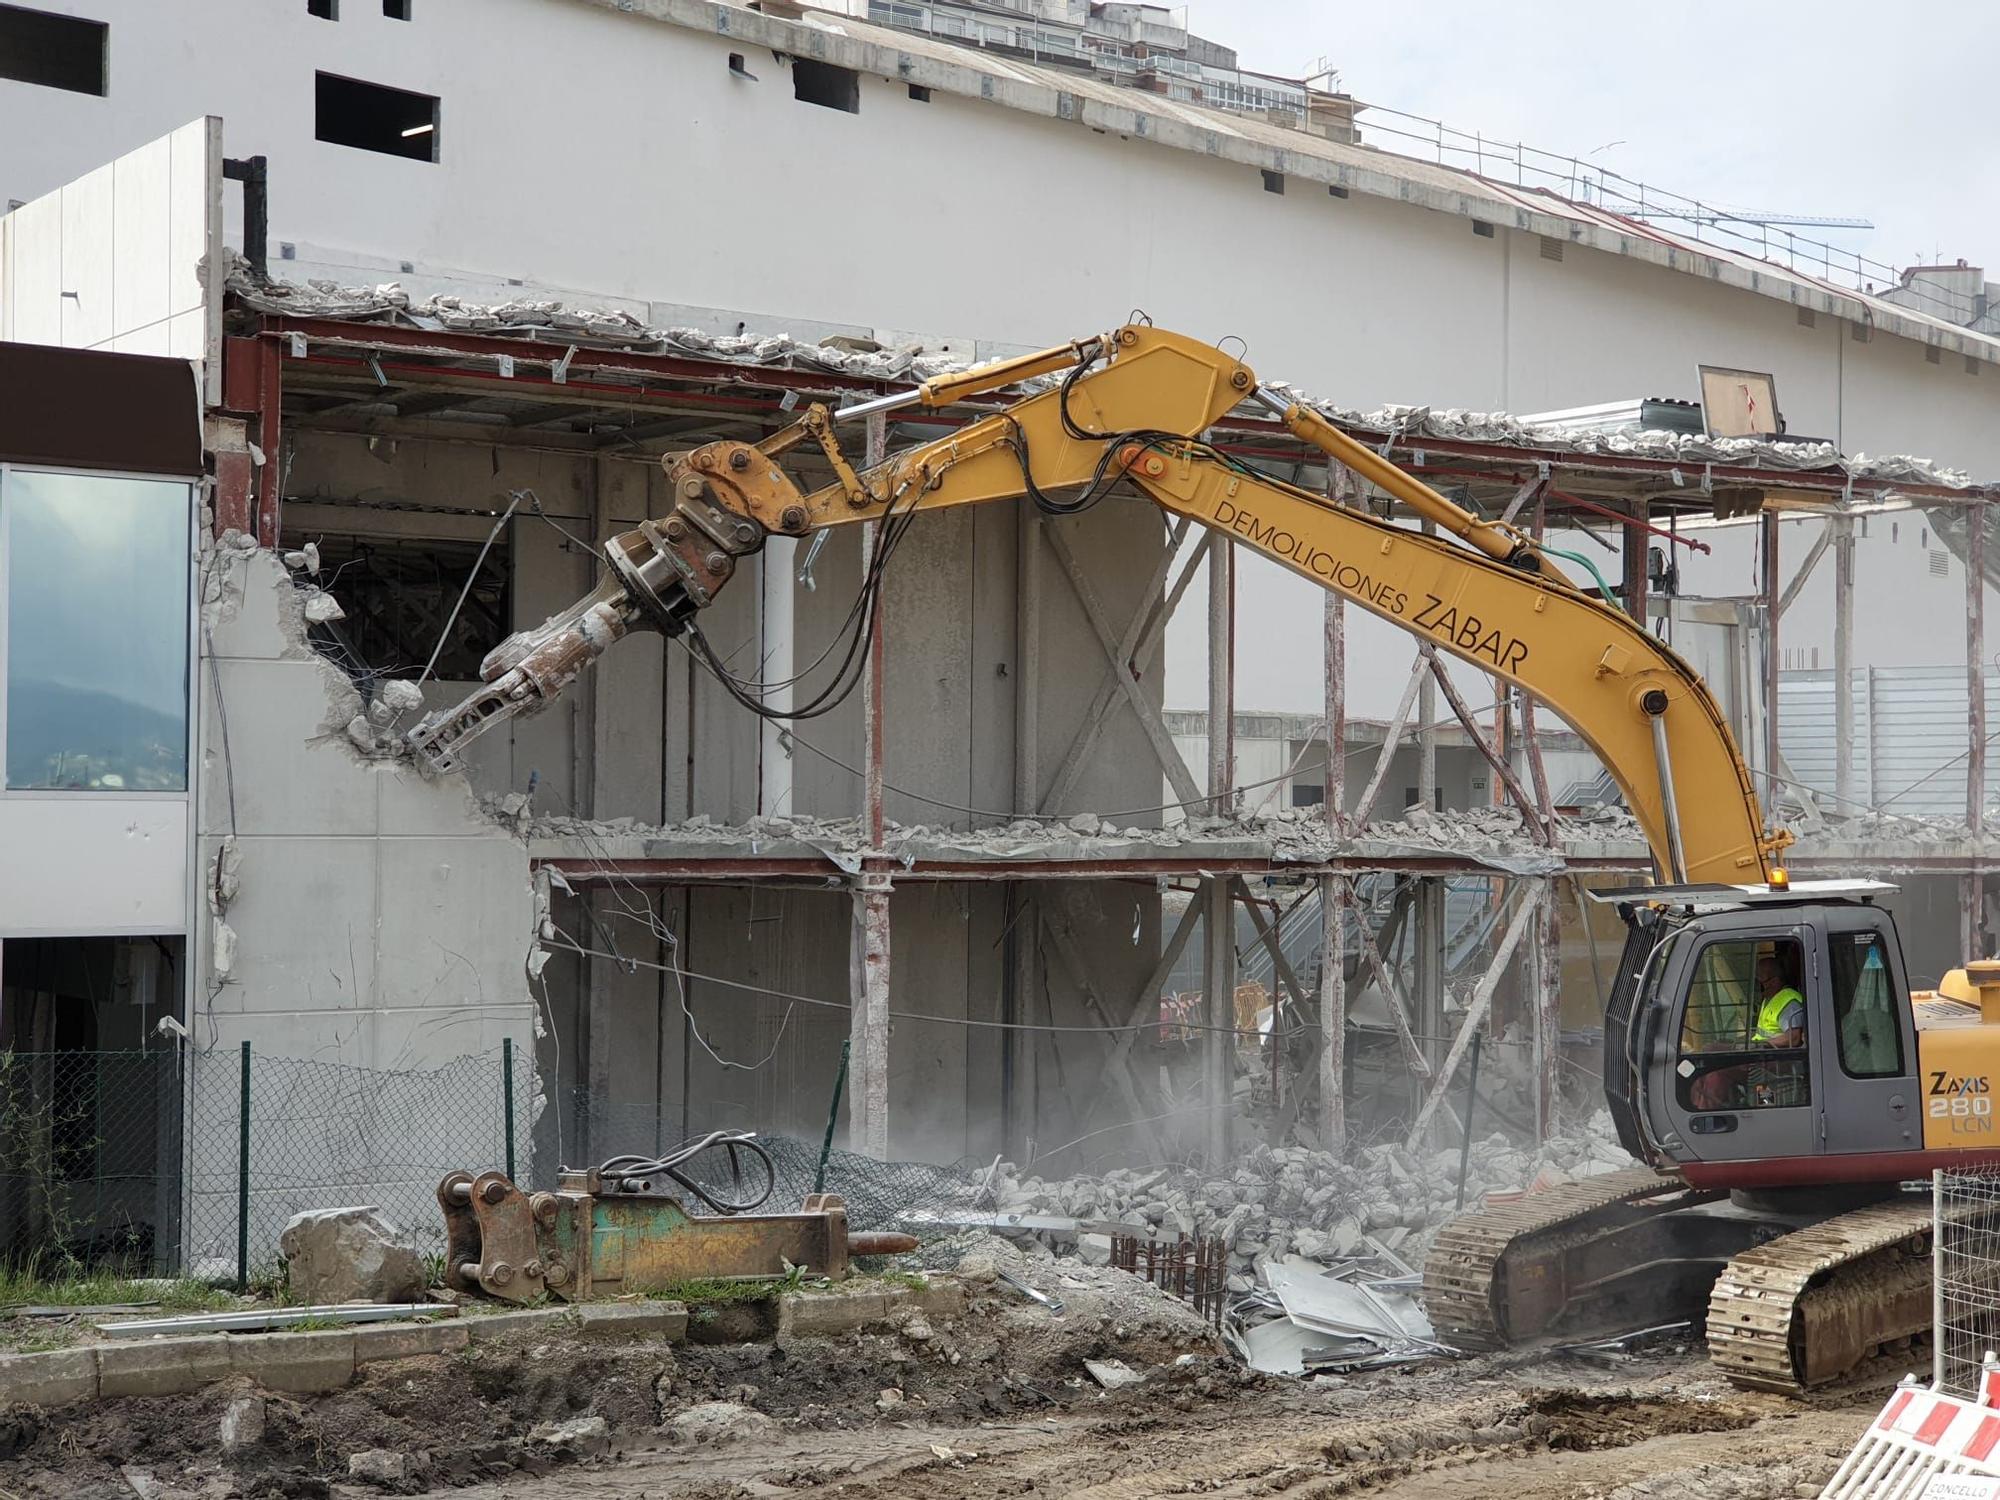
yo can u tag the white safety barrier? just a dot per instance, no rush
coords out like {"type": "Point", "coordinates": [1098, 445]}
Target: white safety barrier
{"type": "Point", "coordinates": [1927, 1446]}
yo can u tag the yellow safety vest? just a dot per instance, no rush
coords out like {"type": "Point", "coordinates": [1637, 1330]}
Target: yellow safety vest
{"type": "Point", "coordinates": [1772, 1011]}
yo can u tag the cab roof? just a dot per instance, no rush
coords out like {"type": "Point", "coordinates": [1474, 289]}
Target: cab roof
{"type": "Point", "coordinates": [1719, 896]}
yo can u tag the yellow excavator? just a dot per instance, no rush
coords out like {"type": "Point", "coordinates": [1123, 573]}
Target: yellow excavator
{"type": "Point", "coordinates": [1763, 1053]}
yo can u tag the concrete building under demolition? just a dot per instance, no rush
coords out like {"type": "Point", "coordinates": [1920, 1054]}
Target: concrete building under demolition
{"type": "Point", "coordinates": [425, 353]}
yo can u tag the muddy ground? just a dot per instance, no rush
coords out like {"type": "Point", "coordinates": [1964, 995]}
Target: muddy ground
{"type": "Point", "coordinates": [994, 1402]}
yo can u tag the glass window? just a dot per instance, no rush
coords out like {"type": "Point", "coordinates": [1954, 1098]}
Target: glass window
{"type": "Point", "coordinates": [1864, 1006]}
{"type": "Point", "coordinates": [1743, 1033]}
{"type": "Point", "coordinates": [97, 632]}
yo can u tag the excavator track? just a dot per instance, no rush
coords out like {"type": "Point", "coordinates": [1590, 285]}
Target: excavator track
{"type": "Point", "coordinates": [1468, 1288]}
{"type": "Point", "coordinates": [1806, 1308]}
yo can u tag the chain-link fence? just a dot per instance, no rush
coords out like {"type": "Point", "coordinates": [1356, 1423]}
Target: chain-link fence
{"type": "Point", "coordinates": [1967, 1267]}
{"type": "Point", "coordinates": [170, 1162]}
{"type": "Point", "coordinates": [166, 1162]}
{"type": "Point", "coordinates": [90, 1166]}
{"type": "Point", "coordinates": [879, 1194]}
{"type": "Point", "coordinates": [269, 1137]}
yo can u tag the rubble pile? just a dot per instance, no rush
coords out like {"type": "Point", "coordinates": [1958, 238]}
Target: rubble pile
{"type": "Point", "coordinates": [1297, 835]}
{"type": "Point", "coordinates": [1909, 828]}
{"type": "Point", "coordinates": [1404, 424]}
{"type": "Point", "coordinates": [618, 328]}
{"type": "Point", "coordinates": [1292, 1200]}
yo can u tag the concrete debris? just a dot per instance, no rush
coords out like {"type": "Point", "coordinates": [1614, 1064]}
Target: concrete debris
{"type": "Point", "coordinates": [224, 879]}
{"type": "Point", "coordinates": [1490, 835]}
{"type": "Point", "coordinates": [1906, 828]}
{"type": "Point", "coordinates": [716, 1422]}
{"type": "Point", "coordinates": [350, 1255]}
{"type": "Point", "coordinates": [242, 1424]}
{"type": "Point", "coordinates": [1291, 1200]}
{"type": "Point", "coordinates": [587, 327]}
{"type": "Point", "coordinates": [580, 1437]}
{"type": "Point", "coordinates": [1407, 424]}
{"type": "Point", "coordinates": [394, 697]}
{"type": "Point", "coordinates": [221, 948]}
{"type": "Point", "coordinates": [304, 560]}
{"type": "Point", "coordinates": [383, 1466]}
{"type": "Point", "coordinates": [321, 608]}
{"type": "Point", "coordinates": [555, 321]}
{"type": "Point", "coordinates": [400, 694]}
{"type": "Point", "coordinates": [1112, 1373]}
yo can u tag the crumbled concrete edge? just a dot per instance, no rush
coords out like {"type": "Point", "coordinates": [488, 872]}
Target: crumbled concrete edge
{"type": "Point", "coordinates": [545, 318]}
{"type": "Point", "coordinates": [1290, 835]}
{"type": "Point", "coordinates": [300, 1363]}
{"type": "Point", "coordinates": [845, 1307]}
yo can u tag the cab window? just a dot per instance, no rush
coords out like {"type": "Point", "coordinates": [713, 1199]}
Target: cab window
{"type": "Point", "coordinates": [1865, 1005]}
{"type": "Point", "coordinates": [1743, 1031]}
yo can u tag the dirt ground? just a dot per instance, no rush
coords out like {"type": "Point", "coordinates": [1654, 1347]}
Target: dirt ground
{"type": "Point", "coordinates": [995, 1402]}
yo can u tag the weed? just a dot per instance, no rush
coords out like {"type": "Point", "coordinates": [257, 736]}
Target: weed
{"type": "Point", "coordinates": [715, 1292]}
{"type": "Point", "coordinates": [27, 1287]}
{"type": "Point", "coordinates": [39, 1341]}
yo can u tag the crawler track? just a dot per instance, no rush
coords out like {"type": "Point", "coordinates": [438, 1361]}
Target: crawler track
{"type": "Point", "coordinates": [1482, 1262]}
{"type": "Point", "coordinates": [1804, 1309]}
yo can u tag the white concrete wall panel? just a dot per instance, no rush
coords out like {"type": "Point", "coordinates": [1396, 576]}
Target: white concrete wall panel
{"type": "Point", "coordinates": [380, 918]}
{"type": "Point", "coordinates": [82, 865]}
{"type": "Point", "coordinates": [118, 257]}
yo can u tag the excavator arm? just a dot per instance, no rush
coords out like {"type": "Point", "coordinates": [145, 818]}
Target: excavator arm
{"type": "Point", "coordinates": [1132, 405]}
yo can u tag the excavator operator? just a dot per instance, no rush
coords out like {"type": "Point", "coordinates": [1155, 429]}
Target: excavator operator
{"type": "Point", "coordinates": [1781, 1010]}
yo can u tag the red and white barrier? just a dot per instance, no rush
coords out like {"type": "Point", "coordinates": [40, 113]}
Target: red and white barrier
{"type": "Point", "coordinates": [1927, 1446]}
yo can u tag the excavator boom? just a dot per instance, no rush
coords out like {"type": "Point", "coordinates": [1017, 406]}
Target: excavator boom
{"type": "Point", "coordinates": [1796, 1284]}
{"type": "Point", "coordinates": [1133, 404]}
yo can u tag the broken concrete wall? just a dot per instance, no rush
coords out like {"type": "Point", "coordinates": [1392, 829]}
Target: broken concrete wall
{"type": "Point", "coordinates": [357, 913]}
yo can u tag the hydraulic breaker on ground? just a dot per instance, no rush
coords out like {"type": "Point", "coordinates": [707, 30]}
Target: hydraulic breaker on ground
{"type": "Point", "coordinates": [596, 1237]}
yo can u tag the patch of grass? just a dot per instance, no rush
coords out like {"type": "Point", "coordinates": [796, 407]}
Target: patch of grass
{"type": "Point", "coordinates": [916, 1281]}
{"type": "Point", "coordinates": [312, 1324]}
{"type": "Point", "coordinates": [712, 1291]}
{"type": "Point", "coordinates": [36, 1338]}
{"type": "Point", "coordinates": [28, 1288]}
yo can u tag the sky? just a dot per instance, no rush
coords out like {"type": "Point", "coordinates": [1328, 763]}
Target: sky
{"type": "Point", "coordinates": [1826, 108]}
{"type": "Point", "coordinates": [1829, 108]}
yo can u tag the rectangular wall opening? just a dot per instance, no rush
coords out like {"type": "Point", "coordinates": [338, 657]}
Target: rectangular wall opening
{"type": "Point", "coordinates": [90, 1103]}
{"type": "Point", "coordinates": [399, 592]}
{"type": "Point", "coordinates": [397, 10]}
{"type": "Point", "coordinates": [824, 84]}
{"type": "Point", "coordinates": [375, 117]}
{"type": "Point", "coordinates": [326, 10]}
{"type": "Point", "coordinates": [57, 52]}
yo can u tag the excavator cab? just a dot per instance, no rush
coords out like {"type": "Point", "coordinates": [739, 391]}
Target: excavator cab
{"type": "Point", "coordinates": [1761, 1037]}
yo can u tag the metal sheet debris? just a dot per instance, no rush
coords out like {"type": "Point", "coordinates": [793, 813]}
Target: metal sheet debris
{"type": "Point", "coordinates": [1308, 1319]}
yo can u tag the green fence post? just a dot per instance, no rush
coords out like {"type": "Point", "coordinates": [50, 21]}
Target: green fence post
{"type": "Point", "coordinates": [243, 1180]}
{"type": "Point", "coordinates": [507, 1090]}
{"type": "Point", "coordinates": [832, 1116]}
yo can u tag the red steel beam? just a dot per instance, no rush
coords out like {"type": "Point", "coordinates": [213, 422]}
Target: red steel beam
{"type": "Point", "coordinates": [533, 352]}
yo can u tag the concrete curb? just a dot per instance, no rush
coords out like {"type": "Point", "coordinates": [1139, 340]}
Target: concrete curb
{"type": "Point", "coordinates": [303, 1363]}
{"type": "Point", "coordinates": [839, 1310]}
{"type": "Point", "coordinates": [624, 1320]}
{"type": "Point", "coordinates": [296, 1362]}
